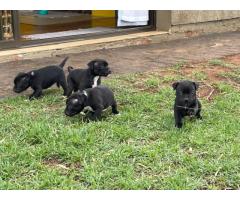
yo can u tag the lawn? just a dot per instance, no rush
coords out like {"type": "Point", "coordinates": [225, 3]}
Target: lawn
{"type": "Point", "coordinates": [41, 148]}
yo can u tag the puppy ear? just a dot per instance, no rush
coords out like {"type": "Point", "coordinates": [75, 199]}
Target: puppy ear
{"type": "Point", "coordinates": [174, 85]}
{"type": "Point", "coordinates": [91, 64]}
{"type": "Point", "coordinates": [21, 74]}
{"type": "Point", "coordinates": [82, 96]}
{"type": "Point", "coordinates": [105, 63]}
{"type": "Point", "coordinates": [70, 68]}
{"type": "Point", "coordinates": [196, 85]}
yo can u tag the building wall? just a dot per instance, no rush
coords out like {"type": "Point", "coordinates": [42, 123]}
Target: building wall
{"type": "Point", "coordinates": [187, 17]}
{"type": "Point", "coordinates": [180, 21]}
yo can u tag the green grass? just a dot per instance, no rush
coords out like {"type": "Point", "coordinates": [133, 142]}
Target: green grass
{"type": "Point", "coordinates": [41, 148]}
{"type": "Point", "coordinates": [219, 62]}
{"type": "Point", "coordinates": [201, 76]}
{"type": "Point", "coordinates": [179, 64]}
{"type": "Point", "coordinates": [233, 75]}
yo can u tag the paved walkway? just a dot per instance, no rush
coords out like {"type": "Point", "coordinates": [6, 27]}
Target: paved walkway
{"type": "Point", "coordinates": [136, 58]}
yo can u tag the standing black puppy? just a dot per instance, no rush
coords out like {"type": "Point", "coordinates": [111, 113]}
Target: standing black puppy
{"type": "Point", "coordinates": [41, 79]}
{"type": "Point", "coordinates": [94, 99]}
{"type": "Point", "coordinates": [80, 79]}
{"type": "Point", "coordinates": [186, 102]}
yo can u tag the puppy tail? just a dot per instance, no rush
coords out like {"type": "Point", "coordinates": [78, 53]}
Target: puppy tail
{"type": "Point", "coordinates": [63, 62]}
{"type": "Point", "coordinates": [70, 68]}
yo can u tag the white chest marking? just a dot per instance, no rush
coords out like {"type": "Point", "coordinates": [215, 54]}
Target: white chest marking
{"type": "Point", "coordinates": [95, 80]}
{"type": "Point", "coordinates": [85, 93]}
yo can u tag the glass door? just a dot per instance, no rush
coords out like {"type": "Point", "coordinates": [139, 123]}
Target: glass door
{"type": "Point", "coordinates": [35, 27]}
{"type": "Point", "coordinates": [46, 24]}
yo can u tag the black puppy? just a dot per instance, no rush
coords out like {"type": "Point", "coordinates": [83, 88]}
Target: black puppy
{"type": "Point", "coordinates": [41, 79]}
{"type": "Point", "coordinates": [94, 99]}
{"type": "Point", "coordinates": [186, 102]}
{"type": "Point", "coordinates": [81, 79]}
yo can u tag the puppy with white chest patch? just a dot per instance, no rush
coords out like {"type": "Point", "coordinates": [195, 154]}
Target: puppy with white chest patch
{"type": "Point", "coordinates": [186, 102]}
{"type": "Point", "coordinates": [95, 99]}
{"type": "Point", "coordinates": [41, 79]}
{"type": "Point", "coordinates": [81, 79]}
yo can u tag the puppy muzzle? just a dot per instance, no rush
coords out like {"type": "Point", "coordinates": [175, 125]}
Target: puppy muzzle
{"type": "Point", "coordinates": [69, 114]}
{"type": "Point", "coordinates": [107, 73]}
{"type": "Point", "coordinates": [17, 90]}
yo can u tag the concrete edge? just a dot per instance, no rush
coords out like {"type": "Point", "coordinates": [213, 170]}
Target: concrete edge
{"type": "Point", "coordinates": [78, 46]}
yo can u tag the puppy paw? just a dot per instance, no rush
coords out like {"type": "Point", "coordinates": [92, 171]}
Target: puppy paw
{"type": "Point", "coordinates": [31, 98]}
{"type": "Point", "coordinates": [179, 125]}
{"type": "Point", "coordinates": [83, 113]}
{"type": "Point", "coordinates": [115, 112]}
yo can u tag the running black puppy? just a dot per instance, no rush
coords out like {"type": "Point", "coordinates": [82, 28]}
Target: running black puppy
{"type": "Point", "coordinates": [41, 79]}
{"type": "Point", "coordinates": [186, 102]}
{"type": "Point", "coordinates": [81, 79]}
{"type": "Point", "coordinates": [94, 99]}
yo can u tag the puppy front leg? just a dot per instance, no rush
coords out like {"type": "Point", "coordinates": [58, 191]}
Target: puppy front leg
{"type": "Point", "coordinates": [37, 93]}
{"type": "Point", "coordinates": [63, 83]}
{"type": "Point", "coordinates": [70, 88]}
{"type": "Point", "coordinates": [114, 108]}
{"type": "Point", "coordinates": [198, 114]}
{"type": "Point", "coordinates": [97, 114]}
{"type": "Point", "coordinates": [178, 119]}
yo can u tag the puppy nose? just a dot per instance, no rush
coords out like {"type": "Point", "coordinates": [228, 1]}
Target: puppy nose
{"type": "Point", "coordinates": [186, 100]}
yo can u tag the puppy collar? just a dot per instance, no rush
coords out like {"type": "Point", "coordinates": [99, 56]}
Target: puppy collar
{"type": "Point", "coordinates": [185, 107]}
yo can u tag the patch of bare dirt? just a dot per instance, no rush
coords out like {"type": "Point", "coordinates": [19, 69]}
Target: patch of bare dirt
{"type": "Point", "coordinates": [162, 73]}
{"type": "Point", "coordinates": [233, 59]}
{"type": "Point", "coordinates": [56, 162]}
{"type": "Point", "coordinates": [8, 108]}
{"type": "Point", "coordinates": [213, 73]}
{"type": "Point", "coordinates": [207, 91]}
